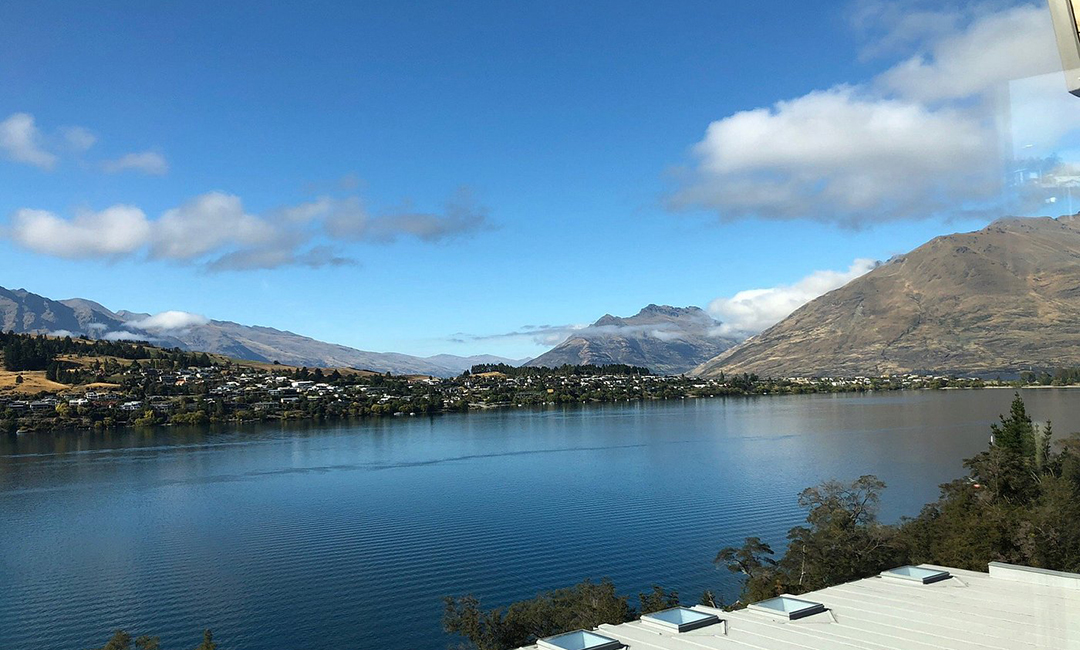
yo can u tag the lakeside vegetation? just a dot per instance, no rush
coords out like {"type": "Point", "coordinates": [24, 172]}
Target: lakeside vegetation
{"type": "Point", "coordinates": [121, 640]}
{"type": "Point", "coordinates": [1019, 503]}
{"type": "Point", "coordinates": [50, 384]}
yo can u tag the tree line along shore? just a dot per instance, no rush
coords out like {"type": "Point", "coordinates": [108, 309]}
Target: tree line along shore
{"type": "Point", "coordinates": [51, 384]}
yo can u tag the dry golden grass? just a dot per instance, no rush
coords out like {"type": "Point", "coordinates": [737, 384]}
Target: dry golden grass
{"type": "Point", "coordinates": [33, 382]}
{"type": "Point", "coordinates": [97, 385]}
{"type": "Point", "coordinates": [88, 361]}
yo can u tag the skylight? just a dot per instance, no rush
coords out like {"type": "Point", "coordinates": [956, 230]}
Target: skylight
{"type": "Point", "coordinates": [680, 619]}
{"type": "Point", "coordinates": [917, 574]}
{"type": "Point", "coordinates": [788, 606]}
{"type": "Point", "coordinates": [579, 640]}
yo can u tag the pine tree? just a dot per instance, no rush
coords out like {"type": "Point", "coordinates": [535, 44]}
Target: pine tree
{"type": "Point", "coordinates": [207, 641]}
{"type": "Point", "coordinates": [1016, 432]}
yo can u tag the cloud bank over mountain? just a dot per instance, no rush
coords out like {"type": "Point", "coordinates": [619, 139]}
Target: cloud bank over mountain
{"type": "Point", "coordinates": [753, 310]}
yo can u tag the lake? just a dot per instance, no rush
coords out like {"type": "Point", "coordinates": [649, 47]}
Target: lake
{"type": "Point", "coordinates": [346, 536]}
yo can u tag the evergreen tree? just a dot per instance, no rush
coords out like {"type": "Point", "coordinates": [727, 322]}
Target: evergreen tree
{"type": "Point", "coordinates": [207, 642]}
{"type": "Point", "coordinates": [1015, 433]}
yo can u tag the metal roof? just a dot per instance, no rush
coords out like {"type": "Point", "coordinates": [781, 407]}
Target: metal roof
{"type": "Point", "coordinates": [1011, 608]}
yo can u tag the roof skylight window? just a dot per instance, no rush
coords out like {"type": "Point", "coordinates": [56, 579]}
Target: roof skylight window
{"type": "Point", "coordinates": [579, 640]}
{"type": "Point", "coordinates": [792, 608]}
{"type": "Point", "coordinates": [680, 619]}
{"type": "Point", "coordinates": [917, 574]}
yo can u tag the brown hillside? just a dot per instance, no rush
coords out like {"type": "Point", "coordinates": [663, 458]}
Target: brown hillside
{"type": "Point", "coordinates": [998, 300]}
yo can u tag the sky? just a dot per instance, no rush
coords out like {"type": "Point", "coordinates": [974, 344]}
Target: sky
{"type": "Point", "coordinates": [482, 177]}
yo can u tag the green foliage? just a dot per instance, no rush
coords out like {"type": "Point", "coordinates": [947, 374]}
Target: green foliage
{"type": "Point", "coordinates": [121, 640]}
{"type": "Point", "coordinates": [40, 352]}
{"type": "Point", "coordinates": [146, 642]}
{"type": "Point", "coordinates": [842, 541]}
{"type": "Point", "coordinates": [207, 642]}
{"type": "Point", "coordinates": [658, 599]}
{"type": "Point", "coordinates": [1020, 503]}
{"type": "Point", "coordinates": [192, 418]}
{"type": "Point", "coordinates": [26, 352]}
{"type": "Point", "coordinates": [583, 606]}
{"type": "Point", "coordinates": [1015, 433]}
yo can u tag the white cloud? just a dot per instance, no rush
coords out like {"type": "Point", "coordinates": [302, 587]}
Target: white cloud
{"type": "Point", "coordinates": [890, 26]}
{"type": "Point", "coordinates": [78, 138]}
{"type": "Point", "coordinates": [208, 223]}
{"type": "Point", "coordinates": [214, 231]}
{"type": "Point", "coordinates": [125, 336]}
{"type": "Point", "coordinates": [996, 48]}
{"type": "Point", "coordinates": [168, 321]}
{"type": "Point", "coordinates": [753, 310]}
{"type": "Point", "coordinates": [20, 141]}
{"type": "Point", "coordinates": [839, 155]}
{"type": "Point", "coordinates": [922, 139]}
{"type": "Point", "coordinates": [278, 256]}
{"type": "Point", "coordinates": [545, 335]}
{"type": "Point", "coordinates": [113, 232]}
{"type": "Point", "coordinates": [146, 162]}
{"type": "Point", "coordinates": [550, 335]}
{"type": "Point", "coordinates": [349, 219]}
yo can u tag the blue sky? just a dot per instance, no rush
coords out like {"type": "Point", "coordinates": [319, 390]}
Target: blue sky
{"type": "Point", "coordinates": [473, 167]}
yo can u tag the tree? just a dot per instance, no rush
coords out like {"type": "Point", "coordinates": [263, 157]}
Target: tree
{"type": "Point", "coordinates": [120, 640]}
{"type": "Point", "coordinates": [1019, 503]}
{"type": "Point", "coordinates": [207, 641]}
{"type": "Point", "coordinates": [146, 642]}
{"type": "Point", "coordinates": [658, 599]}
{"type": "Point", "coordinates": [583, 606]}
{"type": "Point", "coordinates": [1016, 432]}
{"type": "Point", "coordinates": [754, 561]}
{"type": "Point", "coordinates": [842, 541]}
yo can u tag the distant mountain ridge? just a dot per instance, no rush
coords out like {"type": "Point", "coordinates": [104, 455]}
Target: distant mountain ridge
{"type": "Point", "coordinates": [26, 312]}
{"type": "Point", "coordinates": [667, 340]}
{"type": "Point", "coordinates": [999, 300]}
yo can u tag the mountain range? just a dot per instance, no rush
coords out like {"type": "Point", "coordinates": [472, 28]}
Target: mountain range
{"type": "Point", "coordinates": [667, 340]}
{"type": "Point", "coordinates": [23, 311]}
{"type": "Point", "coordinates": [996, 301]}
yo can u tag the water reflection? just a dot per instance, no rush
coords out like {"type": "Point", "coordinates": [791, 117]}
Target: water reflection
{"type": "Point", "coordinates": [274, 534]}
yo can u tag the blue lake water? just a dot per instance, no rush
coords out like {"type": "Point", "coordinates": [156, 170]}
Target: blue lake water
{"type": "Point", "coordinates": [346, 536]}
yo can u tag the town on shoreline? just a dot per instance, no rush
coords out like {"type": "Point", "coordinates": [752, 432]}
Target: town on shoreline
{"type": "Point", "coordinates": [51, 384]}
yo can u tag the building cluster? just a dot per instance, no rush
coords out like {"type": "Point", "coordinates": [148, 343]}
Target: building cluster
{"type": "Point", "coordinates": [149, 395]}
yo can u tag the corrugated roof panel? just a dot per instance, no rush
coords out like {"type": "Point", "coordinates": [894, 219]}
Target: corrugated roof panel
{"type": "Point", "coordinates": [972, 611]}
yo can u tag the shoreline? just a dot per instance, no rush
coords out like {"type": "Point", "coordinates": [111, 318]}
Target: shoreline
{"type": "Point", "coordinates": [482, 407]}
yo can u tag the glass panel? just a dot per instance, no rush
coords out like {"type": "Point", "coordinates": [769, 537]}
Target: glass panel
{"type": "Point", "coordinates": [681, 619]}
{"type": "Point", "coordinates": [792, 607]}
{"type": "Point", "coordinates": [918, 574]}
{"type": "Point", "coordinates": [580, 640]}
